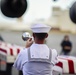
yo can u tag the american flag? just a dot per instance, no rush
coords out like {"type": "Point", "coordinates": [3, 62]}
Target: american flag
{"type": "Point", "coordinates": [68, 64]}
{"type": "Point", "coordinates": [9, 49]}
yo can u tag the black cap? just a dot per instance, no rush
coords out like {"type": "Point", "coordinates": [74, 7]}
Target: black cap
{"type": "Point", "coordinates": [73, 13]}
{"type": "Point", "coordinates": [13, 8]}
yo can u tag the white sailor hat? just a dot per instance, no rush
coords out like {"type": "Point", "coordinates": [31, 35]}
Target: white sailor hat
{"type": "Point", "coordinates": [40, 28]}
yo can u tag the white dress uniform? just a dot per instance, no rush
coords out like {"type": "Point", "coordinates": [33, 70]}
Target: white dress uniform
{"type": "Point", "coordinates": [38, 59]}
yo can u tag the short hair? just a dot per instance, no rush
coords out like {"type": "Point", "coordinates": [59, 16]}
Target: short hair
{"type": "Point", "coordinates": [40, 35]}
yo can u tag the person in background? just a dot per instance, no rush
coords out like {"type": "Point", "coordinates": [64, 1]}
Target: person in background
{"type": "Point", "coordinates": [37, 58]}
{"type": "Point", "coordinates": [66, 45]}
{"type": "Point", "coordinates": [1, 39]}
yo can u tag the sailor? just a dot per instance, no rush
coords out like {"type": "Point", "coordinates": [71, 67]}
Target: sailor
{"type": "Point", "coordinates": [37, 58]}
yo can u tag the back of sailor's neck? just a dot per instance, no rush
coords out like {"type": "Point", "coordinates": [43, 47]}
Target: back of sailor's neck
{"type": "Point", "coordinates": [38, 41]}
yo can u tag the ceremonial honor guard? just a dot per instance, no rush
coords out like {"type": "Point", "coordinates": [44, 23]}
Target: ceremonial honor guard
{"type": "Point", "coordinates": [37, 58]}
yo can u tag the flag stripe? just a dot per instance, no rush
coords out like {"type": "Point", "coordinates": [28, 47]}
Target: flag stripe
{"type": "Point", "coordinates": [18, 50]}
{"type": "Point", "coordinates": [71, 66]}
{"type": "Point", "coordinates": [3, 50]}
{"type": "Point", "coordinates": [74, 66]}
{"type": "Point", "coordinates": [11, 51]}
{"type": "Point", "coordinates": [60, 64]}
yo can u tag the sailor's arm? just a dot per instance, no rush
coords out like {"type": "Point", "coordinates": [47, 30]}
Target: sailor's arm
{"type": "Point", "coordinates": [17, 63]}
{"type": "Point", "coordinates": [21, 56]}
{"type": "Point", "coordinates": [55, 62]}
{"type": "Point", "coordinates": [54, 59]}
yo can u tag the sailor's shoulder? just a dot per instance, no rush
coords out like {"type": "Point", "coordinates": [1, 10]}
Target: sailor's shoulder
{"type": "Point", "coordinates": [54, 51]}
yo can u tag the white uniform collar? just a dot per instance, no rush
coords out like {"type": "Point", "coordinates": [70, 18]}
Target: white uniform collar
{"type": "Point", "coordinates": [38, 45]}
{"type": "Point", "coordinates": [39, 50]}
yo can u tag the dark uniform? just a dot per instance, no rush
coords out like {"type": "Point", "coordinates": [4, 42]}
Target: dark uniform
{"type": "Point", "coordinates": [66, 45]}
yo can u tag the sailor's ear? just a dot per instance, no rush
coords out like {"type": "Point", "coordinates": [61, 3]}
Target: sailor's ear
{"type": "Point", "coordinates": [46, 35]}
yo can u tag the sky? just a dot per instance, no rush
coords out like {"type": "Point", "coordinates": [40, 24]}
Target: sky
{"type": "Point", "coordinates": [38, 10]}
